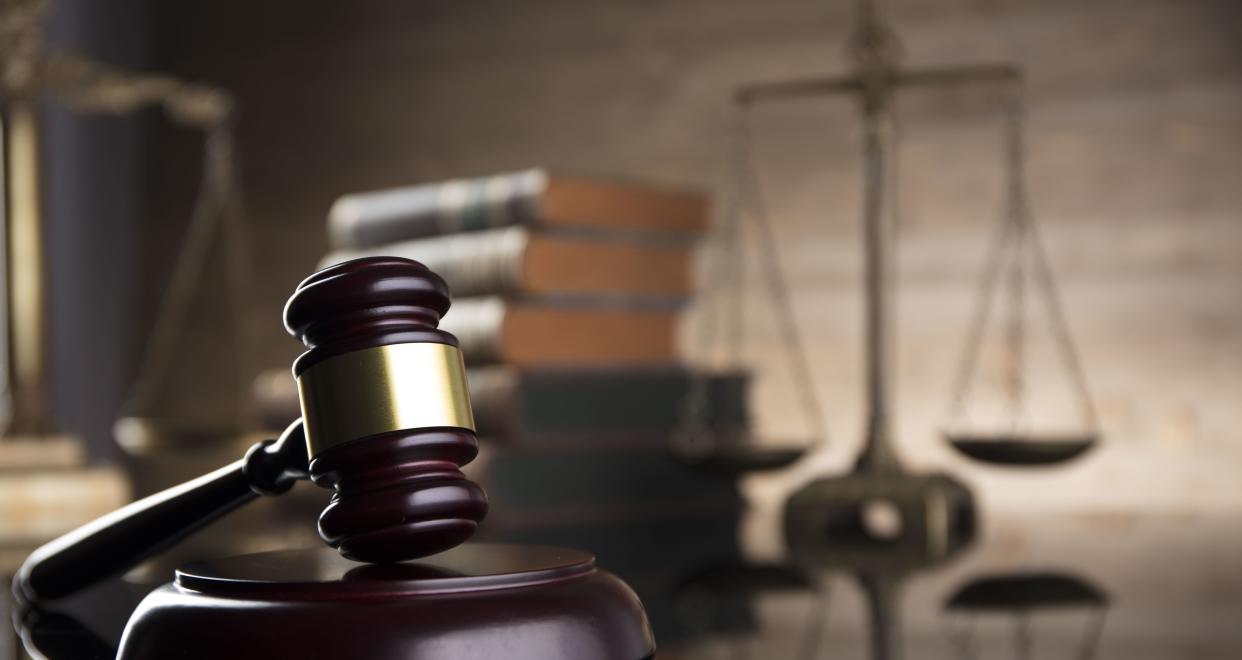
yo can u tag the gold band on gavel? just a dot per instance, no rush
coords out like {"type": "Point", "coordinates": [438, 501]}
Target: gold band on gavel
{"type": "Point", "coordinates": [387, 388]}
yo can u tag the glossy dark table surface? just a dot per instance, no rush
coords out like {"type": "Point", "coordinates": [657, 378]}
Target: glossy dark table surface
{"type": "Point", "coordinates": [1103, 585]}
{"type": "Point", "coordinates": [1084, 585]}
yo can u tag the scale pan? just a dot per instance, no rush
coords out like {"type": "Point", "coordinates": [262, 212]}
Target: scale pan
{"type": "Point", "coordinates": [1022, 449]}
{"type": "Point", "coordinates": [1019, 591]}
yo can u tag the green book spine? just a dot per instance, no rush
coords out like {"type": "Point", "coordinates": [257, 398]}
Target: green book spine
{"type": "Point", "coordinates": [579, 482]}
{"type": "Point", "coordinates": [511, 405]}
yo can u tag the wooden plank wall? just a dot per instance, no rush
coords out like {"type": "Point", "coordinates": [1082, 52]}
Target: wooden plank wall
{"type": "Point", "coordinates": [1135, 128]}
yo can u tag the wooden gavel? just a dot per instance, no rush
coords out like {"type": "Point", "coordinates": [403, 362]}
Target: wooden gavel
{"type": "Point", "coordinates": [386, 424]}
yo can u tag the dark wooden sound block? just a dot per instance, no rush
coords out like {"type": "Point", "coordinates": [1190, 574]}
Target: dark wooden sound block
{"type": "Point", "coordinates": [476, 601]}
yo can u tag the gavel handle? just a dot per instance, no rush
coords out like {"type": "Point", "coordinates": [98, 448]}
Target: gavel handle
{"type": "Point", "coordinates": [120, 540]}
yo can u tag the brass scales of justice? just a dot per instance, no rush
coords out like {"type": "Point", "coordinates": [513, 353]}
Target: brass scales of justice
{"type": "Point", "coordinates": [827, 521]}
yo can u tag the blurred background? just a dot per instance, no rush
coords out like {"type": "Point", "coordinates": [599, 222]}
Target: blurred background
{"type": "Point", "coordinates": [661, 293]}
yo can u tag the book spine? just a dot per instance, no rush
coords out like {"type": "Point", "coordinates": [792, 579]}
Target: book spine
{"type": "Point", "coordinates": [492, 397]}
{"type": "Point", "coordinates": [42, 453]}
{"type": "Point", "coordinates": [552, 402]}
{"type": "Point", "coordinates": [38, 506]}
{"type": "Point", "coordinates": [478, 324]}
{"type": "Point", "coordinates": [587, 479]}
{"type": "Point", "coordinates": [475, 264]}
{"type": "Point", "coordinates": [374, 218]}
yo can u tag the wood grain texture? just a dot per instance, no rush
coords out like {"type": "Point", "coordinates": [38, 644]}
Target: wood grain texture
{"type": "Point", "coordinates": [1134, 152]}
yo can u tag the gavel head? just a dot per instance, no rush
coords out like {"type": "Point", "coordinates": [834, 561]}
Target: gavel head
{"type": "Point", "coordinates": [386, 410]}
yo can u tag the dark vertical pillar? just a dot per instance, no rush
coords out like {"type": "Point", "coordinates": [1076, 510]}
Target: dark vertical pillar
{"type": "Point", "coordinates": [92, 191]}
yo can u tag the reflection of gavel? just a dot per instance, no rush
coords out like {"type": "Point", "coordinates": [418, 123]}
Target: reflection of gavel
{"type": "Point", "coordinates": [387, 424]}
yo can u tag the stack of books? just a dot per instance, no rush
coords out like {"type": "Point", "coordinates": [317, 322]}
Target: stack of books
{"type": "Point", "coordinates": [567, 296]}
{"type": "Point", "coordinates": [545, 270]}
{"type": "Point", "coordinates": [48, 488]}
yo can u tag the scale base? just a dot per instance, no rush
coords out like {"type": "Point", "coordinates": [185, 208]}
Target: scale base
{"type": "Point", "coordinates": [826, 523]}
